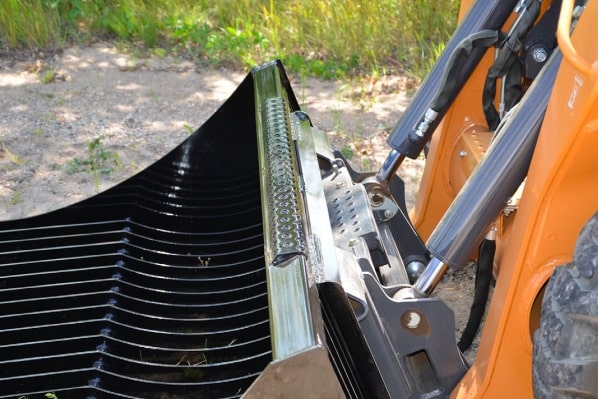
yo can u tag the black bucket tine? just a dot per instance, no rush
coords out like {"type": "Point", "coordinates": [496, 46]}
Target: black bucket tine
{"type": "Point", "coordinates": [155, 287]}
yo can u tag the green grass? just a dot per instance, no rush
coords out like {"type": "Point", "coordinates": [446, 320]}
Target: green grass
{"type": "Point", "coordinates": [28, 23]}
{"type": "Point", "coordinates": [326, 38]}
{"type": "Point", "coordinates": [100, 161]}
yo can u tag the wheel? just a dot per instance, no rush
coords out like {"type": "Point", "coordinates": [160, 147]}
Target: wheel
{"type": "Point", "coordinates": [565, 358]}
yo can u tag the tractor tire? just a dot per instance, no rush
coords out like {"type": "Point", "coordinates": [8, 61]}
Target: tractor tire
{"type": "Point", "coordinates": [565, 358]}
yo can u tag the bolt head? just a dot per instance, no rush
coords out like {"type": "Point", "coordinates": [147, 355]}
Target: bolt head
{"type": "Point", "coordinates": [540, 55]}
{"type": "Point", "coordinates": [376, 200]}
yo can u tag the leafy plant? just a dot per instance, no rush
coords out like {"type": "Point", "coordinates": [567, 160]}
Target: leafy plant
{"type": "Point", "coordinates": [347, 152]}
{"type": "Point", "coordinates": [47, 76]}
{"type": "Point", "coordinates": [100, 160]}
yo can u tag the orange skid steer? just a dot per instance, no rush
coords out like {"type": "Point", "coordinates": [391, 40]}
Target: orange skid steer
{"type": "Point", "coordinates": [252, 261]}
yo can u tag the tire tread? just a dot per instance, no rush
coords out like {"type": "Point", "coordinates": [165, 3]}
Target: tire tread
{"type": "Point", "coordinates": [565, 358]}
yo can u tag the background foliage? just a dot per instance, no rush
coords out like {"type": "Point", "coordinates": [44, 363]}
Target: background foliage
{"type": "Point", "coordinates": [326, 38]}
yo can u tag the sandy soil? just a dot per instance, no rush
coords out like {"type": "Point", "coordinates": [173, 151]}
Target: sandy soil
{"type": "Point", "coordinates": [52, 108]}
{"type": "Point", "coordinates": [141, 108]}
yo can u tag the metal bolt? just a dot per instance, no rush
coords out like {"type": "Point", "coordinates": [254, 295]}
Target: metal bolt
{"type": "Point", "coordinates": [388, 214]}
{"type": "Point", "coordinates": [339, 184]}
{"type": "Point", "coordinates": [352, 242]}
{"type": "Point", "coordinates": [540, 54]}
{"type": "Point", "coordinates": [463, 154]}
{"type": "Point", "coordinates": [376, 200]}
{"type": "Point", "coordinates": [414, 270]}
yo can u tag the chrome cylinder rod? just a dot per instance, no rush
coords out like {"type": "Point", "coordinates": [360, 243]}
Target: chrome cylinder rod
{"type": "Point", "coordinates": [390, 166]}
{"type": "Point", "coordinates": [430, 277]}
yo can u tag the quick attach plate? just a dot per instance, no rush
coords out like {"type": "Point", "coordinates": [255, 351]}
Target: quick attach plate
{"type": "Point", "coordinates": [350, 216]}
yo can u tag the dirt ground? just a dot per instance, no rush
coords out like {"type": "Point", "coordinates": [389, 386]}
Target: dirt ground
{"type": "Point", "coordinates": [132, 111]}
{"type": "Point", "coordinates": [52, 109]}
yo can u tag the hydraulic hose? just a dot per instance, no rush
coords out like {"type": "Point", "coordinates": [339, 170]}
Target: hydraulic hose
{"type": "Point", "coordinates": [483, 15]}
{"type": "Point", "coordinates": [483, 279]}
{"type": "Point", "coordinates": [506, 64]}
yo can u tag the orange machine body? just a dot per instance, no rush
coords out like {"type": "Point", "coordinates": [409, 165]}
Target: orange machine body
{"type": "Point", "coordinates": [539, 228]}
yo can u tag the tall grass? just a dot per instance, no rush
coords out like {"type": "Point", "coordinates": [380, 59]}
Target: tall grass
{"type": "Point", "coordinates": [318, 37]}
{"type": "Point", "coordinates": [27, 23]}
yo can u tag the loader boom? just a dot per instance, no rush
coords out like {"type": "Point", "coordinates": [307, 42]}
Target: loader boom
{"type": "Point", "coordinates": [253, 261]}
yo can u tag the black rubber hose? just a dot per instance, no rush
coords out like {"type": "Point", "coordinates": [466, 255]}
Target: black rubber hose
{"type": "Point", "coordinates": [449, 86]}
{"type": "Point", "coordinates": [507, 63]}
{"type": "Point", "coordinates": [483, 39]}
{"type": "Point", "coordinates": [483, 14]}
{"type": "Point", "coordinates": [482, 288]}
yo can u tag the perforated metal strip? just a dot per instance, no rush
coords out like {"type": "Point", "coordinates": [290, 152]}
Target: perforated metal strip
{"type": "Point", "coordinates": [287, 235]}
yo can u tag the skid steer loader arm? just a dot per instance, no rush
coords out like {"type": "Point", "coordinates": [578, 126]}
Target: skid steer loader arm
{"type": "Point", "coordinates": [252, 261]}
